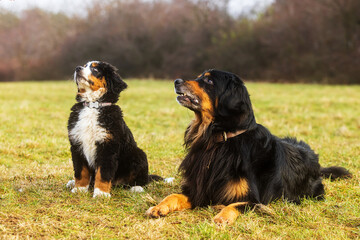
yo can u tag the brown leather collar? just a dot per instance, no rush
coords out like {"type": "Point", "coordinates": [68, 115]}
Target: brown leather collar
{"type": "Point", "coordinates": [224, 136]}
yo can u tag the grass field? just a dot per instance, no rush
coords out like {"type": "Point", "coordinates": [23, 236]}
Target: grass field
{"type": "Point", "coordinates": [35, 165]}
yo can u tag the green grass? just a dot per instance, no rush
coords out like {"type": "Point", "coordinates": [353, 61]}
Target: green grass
{"type": "Point", "coordinates": [35, 165]}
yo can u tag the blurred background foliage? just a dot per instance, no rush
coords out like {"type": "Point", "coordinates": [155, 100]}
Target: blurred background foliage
{"type": "Point", "coordinates": [290, 41]}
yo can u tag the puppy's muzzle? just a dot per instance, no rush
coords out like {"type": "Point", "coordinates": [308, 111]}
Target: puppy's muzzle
{"type": "Point", "coordinates": [78, 69]}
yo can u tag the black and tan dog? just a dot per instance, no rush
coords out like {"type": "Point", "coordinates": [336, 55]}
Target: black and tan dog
{"type": "Point", "coordinates": [103, 148]}
{"type": "Point", "coordinates": [234, 161]}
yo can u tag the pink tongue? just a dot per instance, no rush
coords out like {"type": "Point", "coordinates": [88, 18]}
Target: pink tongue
{"type": "Point", "coordinates": [187, 99]}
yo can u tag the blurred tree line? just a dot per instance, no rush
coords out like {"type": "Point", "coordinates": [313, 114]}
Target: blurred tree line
{"type": "Point", "coordinates": [292, 40]}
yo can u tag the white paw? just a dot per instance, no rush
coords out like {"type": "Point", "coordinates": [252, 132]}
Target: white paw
{"type": "Point", "coordinates": [99, 193]}
{"type": "Point", "coordinates": [80, 189]}
{"type": "Point", "coordinates": [169, 180]}
{"type": "Point", "coordinates": [70, 184]}
{"type": "Point", "coordinates": [148, 212]}
{"type": "Point", "coordinates": [137, 189]}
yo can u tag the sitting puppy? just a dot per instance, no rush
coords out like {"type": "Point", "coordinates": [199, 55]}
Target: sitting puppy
{"type": "Point", "coordinates": [234, 161]}
{"type": "Point", "coordinates": [103, 148]}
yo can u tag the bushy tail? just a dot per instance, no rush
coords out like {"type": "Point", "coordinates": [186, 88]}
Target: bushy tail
{"type": "Point", "coordinates": [153, 177]}
{"type": "Point", "coordinates": [335, 172]}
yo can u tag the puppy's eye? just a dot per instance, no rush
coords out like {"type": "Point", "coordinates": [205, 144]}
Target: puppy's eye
{"type": "Point", "coordinates": [95, 70]}
{"type": "Point", "coordinates": [208, 81]}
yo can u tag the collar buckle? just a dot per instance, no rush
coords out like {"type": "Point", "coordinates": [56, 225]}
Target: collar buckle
{"type": "Point", "coordinates": [93, 105]}
{"type": "Point", "coordinates": [224, 135]}
{"type": "Point", "coordinates": [96, 104]}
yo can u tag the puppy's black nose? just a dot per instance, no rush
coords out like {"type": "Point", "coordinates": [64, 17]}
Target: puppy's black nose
{"type": "Point", "coordinates": [78, 69]}
{"type": "Point", "coordinates": [178, 81]}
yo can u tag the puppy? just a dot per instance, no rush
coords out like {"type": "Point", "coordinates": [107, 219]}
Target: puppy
{"type": "Point", "coordinates": [234, 161]}
{"type": "Point", "coordinates": [103, 148]}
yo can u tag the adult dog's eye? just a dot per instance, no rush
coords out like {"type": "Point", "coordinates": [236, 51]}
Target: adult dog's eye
{"type": "Point", "coordinates": [208, 81]}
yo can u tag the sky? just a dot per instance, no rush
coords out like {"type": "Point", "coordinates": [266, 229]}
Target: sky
{"type": "Point", "coordinates": [236, 7]}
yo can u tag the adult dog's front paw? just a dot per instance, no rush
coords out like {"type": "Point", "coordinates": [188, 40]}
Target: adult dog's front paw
{"type": "Point", "coordinates": [99, 193]}
{"type": "Point", "coordinates": [227, 215]}
{"type": "Point", "coordinates": [158, 211]}
{"type": "Point", "coordinates": [173, 202]}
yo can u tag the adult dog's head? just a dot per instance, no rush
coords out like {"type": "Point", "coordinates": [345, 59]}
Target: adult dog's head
{"type": "Point", "coordinates": [98, 81]}
{"type": "Point", "coordinates": [220, 101]}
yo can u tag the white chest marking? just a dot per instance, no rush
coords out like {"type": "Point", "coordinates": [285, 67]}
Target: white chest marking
{"type": "Point", "coordinates": [92, 96]}
{"type": "Point", "coordinates": [87, 132]}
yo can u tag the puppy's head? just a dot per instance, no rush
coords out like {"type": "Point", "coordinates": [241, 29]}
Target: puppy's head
{"type": "Point", "coordinates": [219, 97]}
{"type": "Point", "coordinates": [98, 81]}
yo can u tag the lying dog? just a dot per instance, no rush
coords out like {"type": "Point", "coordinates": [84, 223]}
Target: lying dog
{"type": "Point", "coordinates": [234, 161]}
{"type": "Point", "coordinates": [103, 148]}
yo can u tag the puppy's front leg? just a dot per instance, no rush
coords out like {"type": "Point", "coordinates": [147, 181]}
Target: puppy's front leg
{"type": "Point", "coordinates": [102, 187]}
{"type": "Point", "coordinates": [81, 173]}
{"type": "Point", "coordinates": [173, 202]}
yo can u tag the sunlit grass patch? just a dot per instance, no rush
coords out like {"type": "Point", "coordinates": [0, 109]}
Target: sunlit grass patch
{"type": "Point", "coordinates": [35, 165]}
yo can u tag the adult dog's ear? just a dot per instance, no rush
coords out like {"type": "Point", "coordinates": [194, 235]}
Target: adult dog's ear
{"type": "Point", "coordinates": [234, 108]}
{"type": "Point", "coordinates": [114, 81]}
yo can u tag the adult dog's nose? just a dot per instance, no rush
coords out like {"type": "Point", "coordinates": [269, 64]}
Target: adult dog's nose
{"type": "Point", "coordinates": [78, 69]}
{"type": "Point", "coordinates": [178, 81]}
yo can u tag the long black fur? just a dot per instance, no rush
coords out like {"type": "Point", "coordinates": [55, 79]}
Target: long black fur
{"type": "Point", "coordinates": [120, 159]}
{"type": "Point", "coordinates": [273, 167]}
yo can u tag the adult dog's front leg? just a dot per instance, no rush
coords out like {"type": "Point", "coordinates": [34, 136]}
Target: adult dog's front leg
{"type": "Point", "coordinates": [229, 214]}
{"type": "Point", "coordinates": [173, 202]}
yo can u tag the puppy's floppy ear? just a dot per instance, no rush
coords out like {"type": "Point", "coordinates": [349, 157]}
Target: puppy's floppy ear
{"type": "Point", "coordinates": [234, 106]}
{"type": "Point", "coordinates": [114, 82]}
